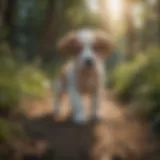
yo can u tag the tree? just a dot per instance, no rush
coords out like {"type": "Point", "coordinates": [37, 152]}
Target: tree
{"type": "Point", "coordinates": [158, 20]}
{"type": "Point", "coordinates": [3, 7]}
{"type": "Point", "coordinates": [60, 18]}
{"type": "Point", "coordinates": [130, 30]}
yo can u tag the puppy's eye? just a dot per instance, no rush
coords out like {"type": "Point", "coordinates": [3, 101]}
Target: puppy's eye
{"type": "Point", "coordinates": [99, 48]}
{"type": "Point", "coordinates": [75, 48]}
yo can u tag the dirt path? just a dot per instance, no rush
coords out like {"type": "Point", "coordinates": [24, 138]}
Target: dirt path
{"type": "Point", "coordinates": [117, 135]}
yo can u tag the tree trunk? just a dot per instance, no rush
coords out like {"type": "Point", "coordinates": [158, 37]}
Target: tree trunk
{"type": "Point", "coordinates": [3, 8]}
{"type": "Point", "coordinates": [56, 26]}
{"type": "Point", "coordinates": [130, 32]}
{"type": "Point", "coordinates": [48, 38]}
{"type": "Point", "coordinates": [10, 19]}
{"type": "Point", "coordinates": [158, 21]}
{"type": "Point", "coordinates": [10, 11]}
{"type": "Point", "coordinates": [151, 29]}
{"type": "Point", "coordinates": [7, 10]}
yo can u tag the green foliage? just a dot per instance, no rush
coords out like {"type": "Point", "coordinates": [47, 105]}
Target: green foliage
{"type": "Point", "coordinates": [139, 80]}
{"type": "Point", "coordinates": [5, 131]}
{"type": "Point", "coordinates": [9, 131]}
{"type": "Point", "coordinates": [3, 33]}
{"type": "Point", "coordinates": [9, 90]}
{"type": "Point", "coordinates": [17, 80]}
{"type": "Point", "coordinates": [52, 70]}
{"type": "Point", "coordinates": [32, 81]}
{"type": "Point", "coordinates": [124, 74]}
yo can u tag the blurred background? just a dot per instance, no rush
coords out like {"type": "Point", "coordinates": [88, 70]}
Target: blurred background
{"type": "Point", "coordinates": [29, 61]}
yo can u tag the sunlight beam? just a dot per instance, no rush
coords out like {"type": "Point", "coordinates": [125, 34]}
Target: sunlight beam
{"type": "Point", "coordinates": [93, 5]}
{"type": "Point", "coordinates": [115, 8]}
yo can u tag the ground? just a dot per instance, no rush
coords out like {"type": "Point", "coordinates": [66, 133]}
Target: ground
{"type": "Point", "coordinates": [119, 134]}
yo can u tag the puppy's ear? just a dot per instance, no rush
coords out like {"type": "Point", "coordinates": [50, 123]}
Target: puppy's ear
{"type": "Point", "coordinates": [69, 45]}
{"type": "Point", "coordinates": [104, 43]}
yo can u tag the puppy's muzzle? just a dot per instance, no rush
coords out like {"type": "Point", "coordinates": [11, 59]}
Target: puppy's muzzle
{"type": "Point", "coordinates": [89, 62]}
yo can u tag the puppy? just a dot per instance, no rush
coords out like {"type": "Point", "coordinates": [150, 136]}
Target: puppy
{"type": "Point", "coordinates": [84, 73]}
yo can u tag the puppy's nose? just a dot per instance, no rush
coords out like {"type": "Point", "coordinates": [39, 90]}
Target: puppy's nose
{"type": "Point", "coordinates": [89, 62]}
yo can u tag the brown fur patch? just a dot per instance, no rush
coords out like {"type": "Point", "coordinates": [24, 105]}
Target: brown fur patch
{"type": "Point", "coordinates": [87, 81]}
{"type": "Point", "coordinates": [103, 43]}
{"type": "Point", "coordinates": [69, 45]}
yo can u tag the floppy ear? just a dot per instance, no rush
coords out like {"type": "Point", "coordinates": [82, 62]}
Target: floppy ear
{"type": "Point", "coordinates": [69, 45]}
{"type": "Point", "coordinates": [104, 43]}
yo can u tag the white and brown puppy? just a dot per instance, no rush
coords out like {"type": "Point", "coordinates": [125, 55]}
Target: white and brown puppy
{"type": "Point", "coordinates": [84, 73]}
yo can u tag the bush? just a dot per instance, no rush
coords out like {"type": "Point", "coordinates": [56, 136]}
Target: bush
{"type": "Point", "coordinates": [9, 87]}
{"type": "Point", "coordinates": [9, 131]}
{"type": "Point", "coordinates": [18, 80]}
{"type": "Point", "coordinates": [33, 82]}
{"type": "Point", "coordinates": [139, 80]}
{"type": "Point", "coordinates": [123, 77]}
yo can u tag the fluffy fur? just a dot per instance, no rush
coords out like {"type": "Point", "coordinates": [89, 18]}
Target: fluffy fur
{"type": "Point", "coordinates": [84, 73]}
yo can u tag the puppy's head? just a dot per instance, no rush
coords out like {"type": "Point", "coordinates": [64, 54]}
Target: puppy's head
{"type": "Point", "coordinates": [88, 47]}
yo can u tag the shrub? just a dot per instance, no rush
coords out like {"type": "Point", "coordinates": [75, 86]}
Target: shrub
{"type": "Point", "coordinates": [123, 77]}
{"type": "Point", "coordinates": [33, 82]}
{"type": "Point", "coordinates": [18, 80]}
{"type": "Point", "coordinates": [9, 131]}
{"type": "Point", "coordinates": [139, 80]}
{"type": "Point", "coordinates": [9, 87]}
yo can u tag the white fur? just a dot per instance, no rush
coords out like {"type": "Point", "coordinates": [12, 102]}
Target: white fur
{"type": "Point", "coordinates": [86, 37]}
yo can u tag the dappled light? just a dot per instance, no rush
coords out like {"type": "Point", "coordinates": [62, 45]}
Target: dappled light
{"type": "Point", "coordinates": [79, 79]}
{"type": "Point", "coordinates": [115, 8]}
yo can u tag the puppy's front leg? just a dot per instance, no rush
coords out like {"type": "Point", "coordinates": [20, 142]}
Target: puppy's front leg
{"type": "Point", "coordinates": [58, 97]}
{"type": "Point", "coordinates": [97, 96]}
{"type": "Point", "coordinates": [79, 114]}
{"type": "Point", "coordinates": [95, 105]}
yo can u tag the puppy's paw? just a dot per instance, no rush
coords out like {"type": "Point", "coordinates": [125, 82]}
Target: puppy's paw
{"type": "Point", "coordinates": [96, 116]}
{"type": "Point", "coordinates": [80, 118]}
